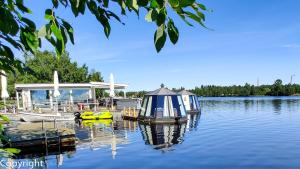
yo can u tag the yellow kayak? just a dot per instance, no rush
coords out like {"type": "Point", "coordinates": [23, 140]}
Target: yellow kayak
{"type": "Point", "coordinates": [106, 122]}
{"type": "Point", "coordinates": [88, 115]}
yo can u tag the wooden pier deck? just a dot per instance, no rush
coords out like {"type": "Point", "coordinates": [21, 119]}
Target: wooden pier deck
{"type": "Point", "coordinates": [130, 114]}
{"type": "Point", "coordinates": [42, 137]}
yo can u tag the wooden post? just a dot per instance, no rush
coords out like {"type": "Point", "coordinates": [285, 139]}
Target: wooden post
{"type": "Point", "coordinates": [129, 111]}
{"type": "Point", "coordinates": [54, 123]}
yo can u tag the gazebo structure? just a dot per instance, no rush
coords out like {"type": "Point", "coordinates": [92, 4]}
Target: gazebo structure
{"type": "Point", "coordinates": [162, 106]}
{"type": "Point", "coordinates": [190, 101]}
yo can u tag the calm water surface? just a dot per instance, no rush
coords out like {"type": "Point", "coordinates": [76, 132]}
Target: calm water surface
{"type": "Point", "coordinates": [244, 132]}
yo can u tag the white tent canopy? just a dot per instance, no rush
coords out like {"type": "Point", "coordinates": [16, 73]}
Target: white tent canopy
{"type": "Point", "coordinates": [111, 85]}
{"type": "Point", "coordinates": [4, 92]}
{"type": "Point", "coordinates": [56, 85]}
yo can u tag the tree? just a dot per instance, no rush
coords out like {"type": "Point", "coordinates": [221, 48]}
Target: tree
{"type": "Point", "coordinates": [42, 66]}
{"type": "Point", "coordinates": [277, 88]}
{"type": "Point", "coordinates": [18, 31]}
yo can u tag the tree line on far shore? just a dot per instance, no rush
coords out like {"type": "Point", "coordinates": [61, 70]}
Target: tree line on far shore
{"type": "Point", "coordinates": [276, 89]}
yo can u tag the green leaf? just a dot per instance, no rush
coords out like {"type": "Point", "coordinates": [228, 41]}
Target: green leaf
{"type": "Point", "coordinates": [29, 39]}
{"type": "Point", "coordinates": [4, 118]}
{"type": "Point", "coordinates": [123, 6]}
{"type": "Point", "coordinates": [92, 6]}
{"type": "Point", "coordinates": [56, 31]}
{"type": "Point", "coordinates": [24, 9]}
{"type": "Point", "coordinates": [201, 6]}
{"type": "Point", "coordinates": [186, 3]}
{"type": "Point", "coordinates": [142, 2]}
{"type": "Point", "coordinates": [55, 3]}
{"type": "Point", "coordinates": [48, 14]}
{"type": "Point", "coordinates": [31, 24]}
{"type": "Point", "coordinates": [161, 17]}
{"type": "Point", "coordinates": [174, 3]}
{"type": "Point", "coordinates": [172, 32]}
{"type": "Point", "coordinates": [81, 7]}
{"type": "Point", "coordinates": [151, 15]}
{"type": "Point", "coordinates": [104, 22]}
{"type": "Point", "coordinates": [135, 6]}
{"type": "Point", "coordinates": [13, 150]}
{"type": "Point", "coordinates": [13, 42]}
{"type": "Point", "coordinates": [105, 3]}
{"type": "Point", "coordinates": [74, 5]}
{"type": "Point", "coordinates": [70, 30]}
{"type": "Point", "coordinates": [8, 23]}
{"type": "Point", "coordinates": [64, 34]}
{"type": "Point", "coordinates": [160, 37]}
{"type": "Point", "coordinates": [153, 4]}
{"type": "Point", "coordinates": [59, 47]}
{"type": "Point", "coordinates": [115, 16]}
{"type": "Point", "coordinates": [160, 3]}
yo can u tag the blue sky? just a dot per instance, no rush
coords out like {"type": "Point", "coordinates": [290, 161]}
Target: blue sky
{"type": "Point", "coordinates": [251, 39]}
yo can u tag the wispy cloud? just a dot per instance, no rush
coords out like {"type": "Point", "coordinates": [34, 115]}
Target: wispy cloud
{"type": "Point", "coordinates": [109, 52]}
{"type": "Point", "coordinates": [291, 46]}
{"type": "Point", "coordinates": [174, 70]}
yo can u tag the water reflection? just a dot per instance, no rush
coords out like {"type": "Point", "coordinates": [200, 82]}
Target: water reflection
{"type": "Point", "coordinates": [162, 136]}
{"type": "Point", "coordinates": [231, 130]}
{"type": "Point", "coordinates": [276, 105]}
{"type": "Point", "coordinates": [193, 120]}
{"type": "Point", "coordinates": [100, 134]}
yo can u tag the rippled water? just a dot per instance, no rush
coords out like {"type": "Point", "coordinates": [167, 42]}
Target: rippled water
{"type": "Point", "coordinates": [244, 132]}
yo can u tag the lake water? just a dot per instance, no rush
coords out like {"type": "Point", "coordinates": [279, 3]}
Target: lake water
{"type": "Point", "coordinates": [235, 132]}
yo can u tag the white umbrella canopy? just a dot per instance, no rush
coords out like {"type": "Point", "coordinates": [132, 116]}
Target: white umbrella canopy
{"type": "Point", "coordinates": [4, 92]}
{"type": "Point", "coordinates": [56, 85]}
{"type": "Point", "coordinates": [111, 86]}
{"type": "Point", "coordinates": [56, 90]}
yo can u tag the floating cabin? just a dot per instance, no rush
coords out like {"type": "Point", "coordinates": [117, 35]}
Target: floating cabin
{"type": "Point", "coordinates": [190, 101]}
{"type": "Point", "coordinates": [162, 106]}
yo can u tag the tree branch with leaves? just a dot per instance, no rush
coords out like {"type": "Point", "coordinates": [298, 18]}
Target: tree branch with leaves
{"type": "Point", "coordinates": [20, 33]}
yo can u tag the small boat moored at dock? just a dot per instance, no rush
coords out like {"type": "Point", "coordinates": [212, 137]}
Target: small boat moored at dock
{"type": "Point", "coordinates": [35, 117]}
{"type": "Point", "coordinates": [89, 115]}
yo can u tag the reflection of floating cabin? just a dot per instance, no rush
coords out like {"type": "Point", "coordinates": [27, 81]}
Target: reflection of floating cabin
{"type": "Point", "coordinates": [162, 136]}
{"type": "Point", "coordinates": [162, 106]}
{"type": "Point", "coordinates": [190, 101]}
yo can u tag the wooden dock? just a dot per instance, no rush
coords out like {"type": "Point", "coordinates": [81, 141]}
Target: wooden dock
{"type": "Point", "coordinates": [129, 114]}
{"type": "Point", "coordinates": [45, 137]}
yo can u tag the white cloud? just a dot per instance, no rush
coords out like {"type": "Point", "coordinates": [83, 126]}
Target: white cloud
{"type": "Point", "coordinates": [291, 46]}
